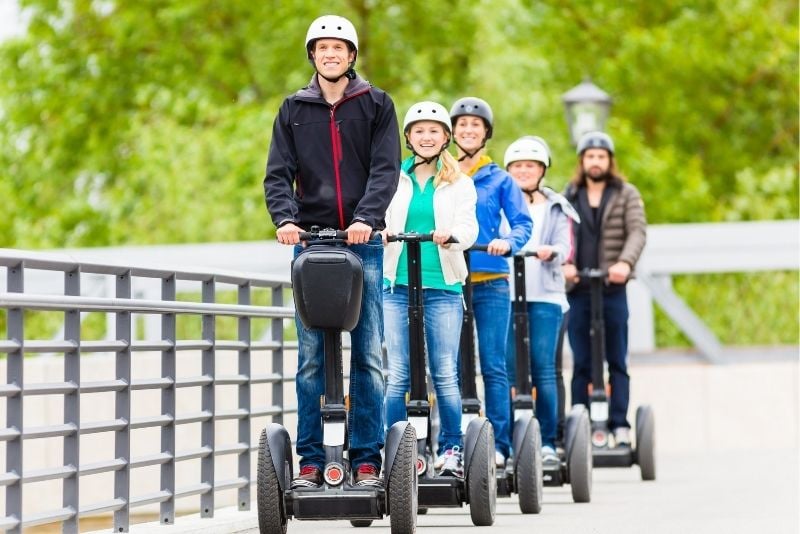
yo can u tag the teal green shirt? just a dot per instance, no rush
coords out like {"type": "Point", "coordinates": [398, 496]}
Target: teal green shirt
{"type": "Point", "coordinates": [421, 220]}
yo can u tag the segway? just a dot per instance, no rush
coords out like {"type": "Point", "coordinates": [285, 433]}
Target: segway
{"type": "Point", "coordinates": [327, 280]}
{"type": "Point", "coordinates": [523, 471]}
{"type": "Point", "coordinates": [575, 460]}
{"type": "Point", "coordinates": [477, 486]}
{"type": "Point", "coordinates": [603, 455]}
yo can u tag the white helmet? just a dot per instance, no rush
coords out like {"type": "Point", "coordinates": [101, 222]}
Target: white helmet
{"type": "Point", "coordinates": [427, 111]}
{"type": "Point", "coordinates": [528, 148]}
{"type": "Point", "coordinates": [331, 27]}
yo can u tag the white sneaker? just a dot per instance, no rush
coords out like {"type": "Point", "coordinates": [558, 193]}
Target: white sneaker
{"type": "Point", "coordinates": [439, 461]}
{"type": "Point", "coordinates": [499, 459]}
{"type": "Point", "coordinates": [622, 436]}
{"type": "Point", "coordinates": [452, 464]}
{"type": "Point", "coordinates": [549, 457]}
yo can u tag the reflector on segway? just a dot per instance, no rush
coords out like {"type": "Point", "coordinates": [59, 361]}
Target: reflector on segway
{"type": "Point", "coordinates": [599, 438]}
{"type": "Point", "coordinates": [334, 474]}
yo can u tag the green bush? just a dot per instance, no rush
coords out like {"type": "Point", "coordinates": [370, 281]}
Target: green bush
{"type": "Point", "coordinates": [741, 309]}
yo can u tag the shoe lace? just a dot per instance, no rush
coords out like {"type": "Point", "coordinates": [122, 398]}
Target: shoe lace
{"type": "Point", "coordinates": [368, 469]}
{"type": "Point", "coordinates": [308, 470]}
{"type": "Point", "coordinates": [453, 454]}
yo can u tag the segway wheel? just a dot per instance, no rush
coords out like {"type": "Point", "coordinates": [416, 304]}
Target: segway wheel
{"type": "Point", "coordinates": [271, 506]}
{"type": "Point", "coordinates": [646, 442]}
{"type": "Point", "coordinates": [481, 481]}
{"type": "Point", "coordinates": [361, 523]}
{"type": "Point", "coordinates": [579, 461]}
{"type": "Point", "coordinates": [402, 485]}
{"type": "Point", "coordinates": [529, 470]}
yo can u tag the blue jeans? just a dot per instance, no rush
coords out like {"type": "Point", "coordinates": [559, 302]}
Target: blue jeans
{"type": "Point", "coordinates": [544, 324]}
{"type": "Point", "coordinates": [443, 314]}
{"type": "Point", "coordinates": [615, 314]}
{"type": "Point", "coordinates": [490, 301]}
{"type": "Point", "coordinates": [365, 417]}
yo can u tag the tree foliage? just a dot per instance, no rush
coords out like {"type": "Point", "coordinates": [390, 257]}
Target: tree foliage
{"type": "Point", "coordinates": [149, 121]}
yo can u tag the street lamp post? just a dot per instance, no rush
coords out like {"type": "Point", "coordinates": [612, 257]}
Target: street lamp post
{"type": "Point", "coordinates": [587, 108]}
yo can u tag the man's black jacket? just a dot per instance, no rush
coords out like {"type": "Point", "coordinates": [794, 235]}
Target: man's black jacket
{"type": "Point", "coordinates": [332, 165]}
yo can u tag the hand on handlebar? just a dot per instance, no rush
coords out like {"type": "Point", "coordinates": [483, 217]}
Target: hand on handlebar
{"type": "Point", "coordinates": [288, 234]}
{"type": "Point", "coordinates": [544, 252]}
{"type": "Point", "coordinates": [619, 272]}
{"type": "Point", "coordinates": [358, 233]}
{"type": "Point", "coordinates": [440, 237]}
{"type": "Point", "coordinates": [498, 247]}
{"type": "Point", "coordinates": [570, 273]}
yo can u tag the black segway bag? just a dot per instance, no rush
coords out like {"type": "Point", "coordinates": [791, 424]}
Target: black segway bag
{"type": "Point", "coordinates": [327, 284]}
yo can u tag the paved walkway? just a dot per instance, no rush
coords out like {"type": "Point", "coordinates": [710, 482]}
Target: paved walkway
{"type": "Point", "coordinates": [708, 493]}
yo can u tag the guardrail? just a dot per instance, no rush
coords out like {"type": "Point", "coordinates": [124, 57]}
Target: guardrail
{"type": "Point", "coordinates": [15, 347]}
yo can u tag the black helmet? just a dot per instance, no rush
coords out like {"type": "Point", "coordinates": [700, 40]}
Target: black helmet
{"type": "Point", "coordinates": [475, 106]}
{"type": "Point", "coordinates": [595, 140]}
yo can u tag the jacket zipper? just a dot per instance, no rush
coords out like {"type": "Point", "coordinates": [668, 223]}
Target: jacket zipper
{"type": "Point", "coordinates": [336, 152]}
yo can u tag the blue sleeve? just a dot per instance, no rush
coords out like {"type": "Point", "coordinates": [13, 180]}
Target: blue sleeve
{"type": "Point", "coordinates": [516, 212]}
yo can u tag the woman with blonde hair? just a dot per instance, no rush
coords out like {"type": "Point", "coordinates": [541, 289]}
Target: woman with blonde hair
{"type": "Point", "coordinates": [433, 196]}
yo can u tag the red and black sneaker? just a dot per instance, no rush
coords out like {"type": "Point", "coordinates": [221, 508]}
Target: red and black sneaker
{"type": "Point", "coordinates": [310, 477]}
{"type": "Point", "coordinates": [368, 475]}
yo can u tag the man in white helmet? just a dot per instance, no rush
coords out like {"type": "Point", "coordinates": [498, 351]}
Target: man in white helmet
{"type": "Point", "coordinates": [611, 236]}
{"type": "Point", "coordinates": [333, 163]}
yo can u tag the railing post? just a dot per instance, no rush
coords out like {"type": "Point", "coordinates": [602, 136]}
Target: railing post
{"type": "Point", "coordinates": [244, 399]}
{"type": "Point", "coordinates": [277, 354]}
{"type": "Point", "coordinates": [72, 403]}
{"type": "Point", "coordinates": [122, 437]}
{"type": "Point", "coordinates": [169, 371]}
{"type": "Point", "coordinates": [207, 427]}
{"type": "Point", "coordinates": [14, 375]}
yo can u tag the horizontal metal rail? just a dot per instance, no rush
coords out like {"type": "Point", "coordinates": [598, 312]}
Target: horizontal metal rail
{"type": "Point", "coordinates": [19, 302]}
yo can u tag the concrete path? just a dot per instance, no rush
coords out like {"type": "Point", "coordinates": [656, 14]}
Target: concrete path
{"type": "Point", "coordinates": [708, 493]}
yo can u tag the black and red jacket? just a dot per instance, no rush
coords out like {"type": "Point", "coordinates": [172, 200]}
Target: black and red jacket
{"type": "Point", "coordinates": [332, 165]}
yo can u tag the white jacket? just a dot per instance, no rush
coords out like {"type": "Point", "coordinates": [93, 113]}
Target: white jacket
{"type": "Point", "coordinates": [453, 211]}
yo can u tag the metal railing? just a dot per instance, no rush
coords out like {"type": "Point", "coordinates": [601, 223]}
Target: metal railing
{"type": "Point", "coordinates": [15, 347]}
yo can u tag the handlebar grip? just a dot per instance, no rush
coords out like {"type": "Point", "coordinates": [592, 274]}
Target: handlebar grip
{"type": "Point", "coordinates": [323, 235]}
{"type": "Point", "coordinates": [535, 254]}
{"type": "Point", "coordinates": [483, 248]}
{"type": "Point", "coordinates": [587, 272]}
{"type": "Point", "coordinates": [413, 236]}
{"type": "Point", "coordinates": [328, 234]}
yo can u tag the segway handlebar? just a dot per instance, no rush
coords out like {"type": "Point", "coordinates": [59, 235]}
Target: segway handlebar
{"type": "Point", "coordinates": [521, 253]}
{"type": "Point", "coordinates": [589, 272]}
{"type": "Point", "coordinates": [414, 236]}
{"type": "Point", "coordinates": [327, 234]}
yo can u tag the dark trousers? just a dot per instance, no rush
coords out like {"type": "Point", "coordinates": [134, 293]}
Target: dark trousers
{"type": "Point", "coordinates": [615, 314]}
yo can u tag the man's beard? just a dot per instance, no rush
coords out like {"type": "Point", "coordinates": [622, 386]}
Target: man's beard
{"type": "Point", "coordinates": [603, 177]}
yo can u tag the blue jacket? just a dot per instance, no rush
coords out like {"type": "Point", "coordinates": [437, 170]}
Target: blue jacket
{"type": "Point", "coordinates": [498, 193]}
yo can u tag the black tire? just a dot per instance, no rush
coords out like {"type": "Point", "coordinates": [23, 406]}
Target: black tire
{"type": "Point", "coordinates": [361, 523]}
{"type": "Point", "coordinates": [402, 485]}
{"type": "Point", "coordinates": [579, 462]}
{"type": "Point", "coordinates": [646, 442]}
{"type": "Point", "coordinates": [481, 481]}
{"type": "Point", "coordinates": [271, 506]}
{"type": "Point", "coordinates": [528, 470]}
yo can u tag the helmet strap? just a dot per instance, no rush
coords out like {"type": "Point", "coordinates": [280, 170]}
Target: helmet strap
{"type": "Point", "coordinates": [423, 159]}
{"type": "Point", "coordinates": [467, 154]}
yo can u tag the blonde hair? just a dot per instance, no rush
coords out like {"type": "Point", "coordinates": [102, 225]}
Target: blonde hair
{"type": "Point", "coordinates": [450, 171]}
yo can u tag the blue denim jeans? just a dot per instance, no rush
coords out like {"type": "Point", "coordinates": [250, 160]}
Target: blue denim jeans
{"type": "Point", "coordinates": [615, 314]}
{"type": "Point", "coordinates": [443, 314]}
{"type": "Point", "coordinates": [544, 324]}
{"type": "Point", "coordinates": [490, 301]}
{"type": "Point", "coordinates": [365, 418]}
